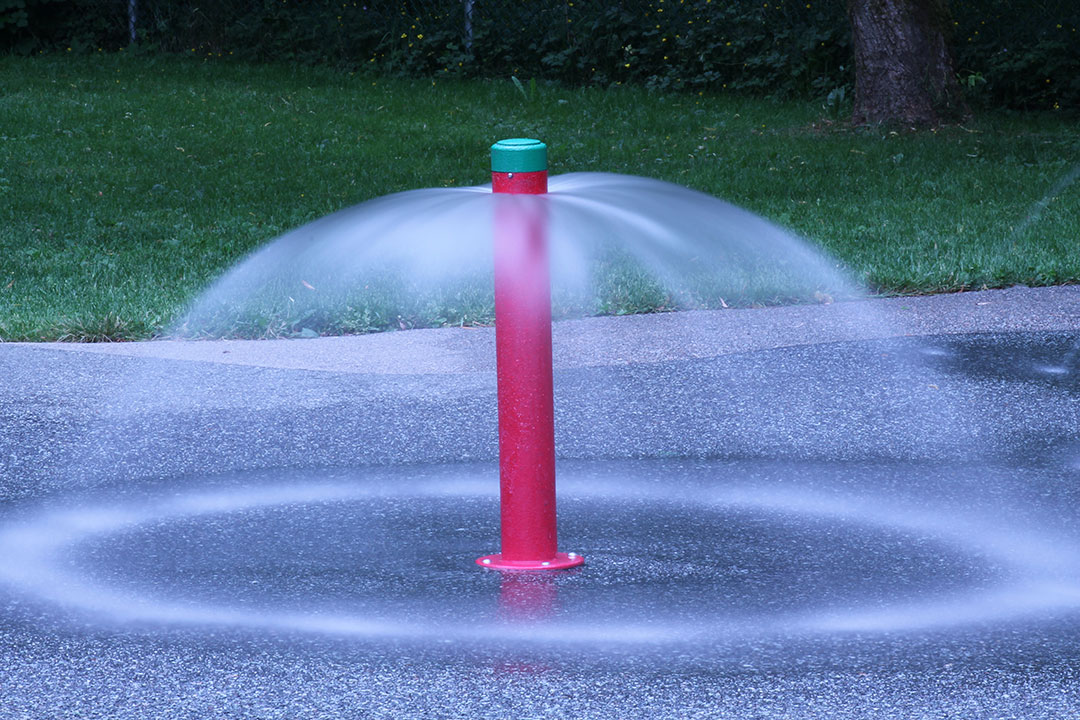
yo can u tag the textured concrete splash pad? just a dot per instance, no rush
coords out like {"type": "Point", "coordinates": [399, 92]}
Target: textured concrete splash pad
{"type": "Point", "coordinates": [685, 552]}
{"type": "Point", "coordinates": [851, 526]}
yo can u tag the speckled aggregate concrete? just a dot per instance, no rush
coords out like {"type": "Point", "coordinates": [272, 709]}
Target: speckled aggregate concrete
{"type": "Point", "coordinates": [857, 510]}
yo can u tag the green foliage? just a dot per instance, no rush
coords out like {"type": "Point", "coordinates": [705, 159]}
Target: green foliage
{"type": "Point", "coordinates": [778, 49]}
{"type": "Point", "coordinates": [1019, 55]}
{"type": "Point", "coordinates": [773, 50]}
{"type": "Point", "coordinates": [20, 21]}
{"type": "Point", "coordinates": [13, 13]}
{"type": "Point", "coordinates": [1028, 54]}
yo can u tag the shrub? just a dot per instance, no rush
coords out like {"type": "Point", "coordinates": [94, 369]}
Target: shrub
{"type": "Point", "coordinates": [1009, 54]}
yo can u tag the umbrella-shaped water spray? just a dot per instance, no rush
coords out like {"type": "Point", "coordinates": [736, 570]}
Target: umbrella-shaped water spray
{"type": "Point", "coordinates": [585, 242]}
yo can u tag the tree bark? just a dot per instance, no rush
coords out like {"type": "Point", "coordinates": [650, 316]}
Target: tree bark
{"type": "Point", "coordinates": [903, 69]}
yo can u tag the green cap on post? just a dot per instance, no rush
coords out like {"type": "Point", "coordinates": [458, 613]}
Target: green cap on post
{"type": "Point", "coordinates": [518, 155]}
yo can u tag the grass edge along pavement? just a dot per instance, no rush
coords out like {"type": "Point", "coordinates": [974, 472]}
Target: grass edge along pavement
{"type": "Point", "coordinates": [129, 183]}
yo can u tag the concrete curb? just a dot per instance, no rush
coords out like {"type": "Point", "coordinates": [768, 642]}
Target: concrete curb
{"type": "Point", "coordinates": [635, 339]}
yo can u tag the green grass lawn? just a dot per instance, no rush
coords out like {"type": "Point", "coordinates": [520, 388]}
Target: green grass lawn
{"type": "Point", "coordinates": [127, 184]}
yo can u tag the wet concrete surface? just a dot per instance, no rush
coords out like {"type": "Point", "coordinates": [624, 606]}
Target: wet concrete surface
{"type": "Point", "coordinates": [779, 521]}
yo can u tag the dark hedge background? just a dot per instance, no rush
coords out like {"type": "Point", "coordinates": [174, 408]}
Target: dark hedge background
{"type": "Point", "coordinates": [1009, 54]}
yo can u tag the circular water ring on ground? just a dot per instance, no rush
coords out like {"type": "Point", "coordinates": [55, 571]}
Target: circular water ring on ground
{"type": "Point", "coordinates": [376, 555]}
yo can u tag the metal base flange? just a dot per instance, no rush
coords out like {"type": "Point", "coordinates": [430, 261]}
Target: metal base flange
{"type": "Point", "coordinates": [561, 561]}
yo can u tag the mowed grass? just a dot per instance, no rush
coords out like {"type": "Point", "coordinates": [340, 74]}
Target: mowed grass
{"type": "Point", "coordinates": [127, 184]}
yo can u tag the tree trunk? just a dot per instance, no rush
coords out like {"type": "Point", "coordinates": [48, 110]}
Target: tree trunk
{"type": "Point", "coordinates": [903, 69]}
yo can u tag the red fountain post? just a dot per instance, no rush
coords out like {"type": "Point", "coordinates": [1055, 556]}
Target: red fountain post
{"type": "Point", "coordinates": [523, 359]}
